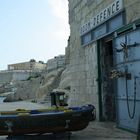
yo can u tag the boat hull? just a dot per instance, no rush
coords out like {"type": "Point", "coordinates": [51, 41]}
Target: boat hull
{"type": "Point", "coordinates": [47, 122]}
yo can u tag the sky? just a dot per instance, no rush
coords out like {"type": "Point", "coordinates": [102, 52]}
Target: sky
{"type": "Point", "coordinates": [32, 29]}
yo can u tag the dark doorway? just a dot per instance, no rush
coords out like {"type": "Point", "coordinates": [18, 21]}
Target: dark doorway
{"type": "Point", "coordinates": [108, 95]}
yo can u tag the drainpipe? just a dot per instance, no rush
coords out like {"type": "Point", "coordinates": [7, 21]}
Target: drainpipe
{"type": "Point", "coordinates": [99, 80]}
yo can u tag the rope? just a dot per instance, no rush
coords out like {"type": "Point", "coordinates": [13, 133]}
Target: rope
{"type": "Point", "coordinates": [127, 98]}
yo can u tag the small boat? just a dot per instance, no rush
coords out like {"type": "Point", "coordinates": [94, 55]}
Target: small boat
{"type": "Point", "coordinates": [53, 120]}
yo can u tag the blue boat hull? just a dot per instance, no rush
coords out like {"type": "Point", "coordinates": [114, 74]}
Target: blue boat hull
{"type": "Point", "coordinates": [74, 119]}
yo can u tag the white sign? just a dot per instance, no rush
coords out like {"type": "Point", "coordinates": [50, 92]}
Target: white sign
{"type": "Point", "coordinates": [105, 14]}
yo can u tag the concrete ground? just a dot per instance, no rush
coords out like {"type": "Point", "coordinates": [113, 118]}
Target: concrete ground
{"type": "Point", "coordinates": [95, 131]}
{"type": "Point", "coordinates": [103, 131]}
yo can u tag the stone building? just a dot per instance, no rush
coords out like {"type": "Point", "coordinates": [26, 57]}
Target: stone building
{"type": "Point", "coordinates": [31, 65]}
{"type": "Point", "coordinates": [56, 62]}
{"type": "Point", "coordinates": [102, 33]}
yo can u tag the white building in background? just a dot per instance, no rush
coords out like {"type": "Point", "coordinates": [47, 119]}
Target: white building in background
{"type": "Point", "coordinates": [31, 65]}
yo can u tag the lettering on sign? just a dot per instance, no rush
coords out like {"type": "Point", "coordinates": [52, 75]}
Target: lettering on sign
{"type": "Point", "coordinates": [105, 14]}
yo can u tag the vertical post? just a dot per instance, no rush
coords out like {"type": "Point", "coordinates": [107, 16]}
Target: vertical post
{"type": "Point", "coordinates": [99, 81]}
{"type": "Point", "coordinates": [138, 133]}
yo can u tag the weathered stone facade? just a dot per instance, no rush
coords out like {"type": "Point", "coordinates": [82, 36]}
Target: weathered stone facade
{"type": "Point", "coordinates": [31, 65]}
{"type": "Point", "coordinates": [8, 76]}
{"type": "Point", "coordinates": [83, 65]}
{"type": "Point", "coordinates": [56, 62]}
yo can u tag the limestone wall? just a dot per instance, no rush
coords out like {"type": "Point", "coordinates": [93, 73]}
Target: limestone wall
{"type": "Point", "coordinates": [56, 62]}
{"type": "Point", "coordinates": [82, 11]}
{"type": "Point", "coordinates": [5, 77]}
{"type": "Point", "coordinates": [81, 76]}
{"type": "Point", "coordinates": [83, 60]}
{"type": "Point", "coordinates": [36, 66]}
{"type": "Point", "coordinates": [8, 76]}
{"type": "Point", "coordinates": [132, 10]}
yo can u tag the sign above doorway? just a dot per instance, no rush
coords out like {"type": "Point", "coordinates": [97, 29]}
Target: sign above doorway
{"type": "Point", "coordinates": [102, 16]}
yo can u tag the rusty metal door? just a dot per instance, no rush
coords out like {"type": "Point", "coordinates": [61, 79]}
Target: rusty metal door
{"type": "Point", "coordinates": [127, 70]}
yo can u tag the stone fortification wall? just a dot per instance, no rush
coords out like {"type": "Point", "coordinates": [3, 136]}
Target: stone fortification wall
{"type": "Point", "coordinates": [81, 76]}
{"type": "Point", "coordinates": [5, 77]}
{"type": "Point", "coordinates": [83, 60]}
{"type": "Point", "coordinates": [32, 84]}
{"type": "Point", "coordinates": [56, 62]}
{"type": "Point", "coordinates": [132, 10]}
{"type": "Point", "coordinates": [8, 76]}
{"type": "Point", "coordinates": [36, 88]}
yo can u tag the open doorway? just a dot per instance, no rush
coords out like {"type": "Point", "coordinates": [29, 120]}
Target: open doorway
{"type": "Point", "coordinates": [108, 94]}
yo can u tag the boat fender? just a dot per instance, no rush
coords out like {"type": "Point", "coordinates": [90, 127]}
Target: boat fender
{"type": "Point", "coordinates": [67, 124]}
{"type": "Point", "coordinates": [67, 110]}
{"type": "Point", "coordinates": [9, 125]}
{"type": "Point", "coordinates": [23, 114]}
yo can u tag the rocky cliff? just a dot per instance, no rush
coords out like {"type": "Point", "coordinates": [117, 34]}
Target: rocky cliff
{"type": "Point", "coordinates": [36, 88]}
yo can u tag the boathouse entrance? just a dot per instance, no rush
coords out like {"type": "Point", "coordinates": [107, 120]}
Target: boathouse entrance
{"type": "Point", "coordinates": [107, 86]}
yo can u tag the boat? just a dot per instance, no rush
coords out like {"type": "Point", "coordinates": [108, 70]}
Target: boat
{"type": "Point", "coordinates": [52, 120]}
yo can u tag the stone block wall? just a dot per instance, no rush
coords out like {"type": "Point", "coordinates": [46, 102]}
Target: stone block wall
{"type": "Point", "coordinates": [132, 10]}
{"type": "Point", "coordinates": [83, 60]}
{"type": "Point", "coordinates": [83, 72]}
{"type": "Point", "coordinates": [5, 77]}
{"type": "Point", "coordinates": [56, 62]}
{"type": "Point", "coordinates": [35, 66]}
{"type": "Point", "coordinates": [8, 76]}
